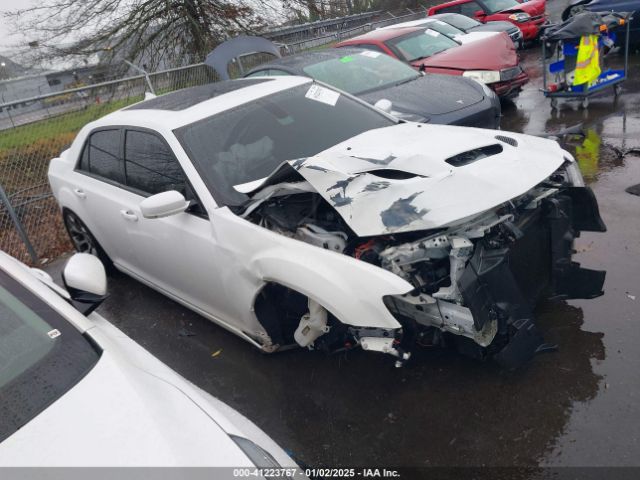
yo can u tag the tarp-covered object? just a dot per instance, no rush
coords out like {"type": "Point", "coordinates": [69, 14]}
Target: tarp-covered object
{"type": "Point", "coordinates": [237, 47]}
{"type": "Point", "coordinates": [586, 23]}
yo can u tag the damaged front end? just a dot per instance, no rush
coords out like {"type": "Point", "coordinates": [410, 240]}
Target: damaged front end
{"type": "Point", "coordinates": [477, 273]}
{"type": "Point", "coordinates": [499, 267]}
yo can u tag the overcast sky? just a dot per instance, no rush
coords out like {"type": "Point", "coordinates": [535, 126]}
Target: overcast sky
{"type": "Point", "coordinates": [6, 39]}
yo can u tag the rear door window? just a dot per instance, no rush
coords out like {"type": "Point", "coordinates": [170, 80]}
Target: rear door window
{"type": "Point", "coordinates": [101, 155]}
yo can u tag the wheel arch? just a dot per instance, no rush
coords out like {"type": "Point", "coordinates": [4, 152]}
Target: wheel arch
{"type": "Point", "coordinates": [349, 289]}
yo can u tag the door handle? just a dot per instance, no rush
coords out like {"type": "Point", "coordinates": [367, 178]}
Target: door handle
{"type": "Point", "coordinates": [79, 193]}
{"type": "Point", "coordinates": [129, 215]}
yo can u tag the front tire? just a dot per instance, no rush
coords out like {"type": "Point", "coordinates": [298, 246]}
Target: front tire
{"type": "Point", "coordinates": [83, 240]}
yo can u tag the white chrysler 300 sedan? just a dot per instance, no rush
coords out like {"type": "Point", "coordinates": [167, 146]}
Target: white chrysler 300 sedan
{"type": "Point", "coordinates": [76, 392]}
{"type": "Point", "coordinates": [291, 213]}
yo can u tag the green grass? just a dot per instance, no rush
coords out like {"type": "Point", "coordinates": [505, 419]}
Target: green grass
{"type": "Point", "coordinates": [53, 127]}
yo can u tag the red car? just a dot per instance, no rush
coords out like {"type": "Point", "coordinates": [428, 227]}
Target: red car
{"type": "Point", "coordinates": [492, 60]}
{"type": "Point", "coordinates": [527, 16]}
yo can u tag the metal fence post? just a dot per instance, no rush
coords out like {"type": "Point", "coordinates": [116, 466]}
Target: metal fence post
{"type": "Point", "coordinates": [16, 222]}
{"type": "Point", "coordinates": [144, 72]}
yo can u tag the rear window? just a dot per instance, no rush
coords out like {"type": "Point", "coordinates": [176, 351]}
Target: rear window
{"type": "Point", "coordinates": [41, 355]}
{"type": "Point", "coordinates": [461, 22]}
{"type": "Point", "coordinates": [421, 44]}
{"type": "Point", "coordinates": [444, 28]}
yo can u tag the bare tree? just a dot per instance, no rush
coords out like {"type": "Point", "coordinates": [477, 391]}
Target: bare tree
{"type": "Point", "coordinates": [158, 33]}
{"type": "Point", "coordinates": [153, 32]}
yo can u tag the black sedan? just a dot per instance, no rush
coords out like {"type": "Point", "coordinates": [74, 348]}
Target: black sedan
{"type": "Point", "coordinates": [468, 25]}
{"type": "Point", "coordinates": [374, 76]}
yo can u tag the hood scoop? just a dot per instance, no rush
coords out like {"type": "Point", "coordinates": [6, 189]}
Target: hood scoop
{"type": "Point", "coordinates": [392, 174]}
{"type": "Point", "coordinates": [470, 156]}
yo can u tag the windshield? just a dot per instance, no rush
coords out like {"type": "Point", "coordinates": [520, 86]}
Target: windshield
{"type": "Point", "coordinates": [248, 142]}
{"type": "Point", "coordinates": [494, 6]}
{"type": "Point", "coordinates": [462, 22]}
{"type": "Point", "coordinates": [361, 72]}
{"type": "Point", "coordinates": [41, 355]}
{"type": "Point", "coordinates": [421, 44]}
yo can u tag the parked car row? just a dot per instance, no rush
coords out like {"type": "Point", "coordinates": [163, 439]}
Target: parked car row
{"type": "Point", "coordinates": [491, 60]}
{"type": "Point", "coordinates": [444, 43]}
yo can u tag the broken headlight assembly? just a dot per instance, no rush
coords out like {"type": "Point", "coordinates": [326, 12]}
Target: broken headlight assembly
{"type": "Point", "coordinates": [483, 76]}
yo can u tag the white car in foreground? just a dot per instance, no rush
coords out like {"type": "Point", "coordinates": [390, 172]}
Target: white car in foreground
{"type": "Point", "coordinates": [76, 392]}
{"type": "Point", "coordinates": [291, 213]}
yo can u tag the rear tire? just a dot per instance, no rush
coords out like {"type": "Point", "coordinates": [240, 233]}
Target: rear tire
{"type": "Point", "coordinates": [83, 240]}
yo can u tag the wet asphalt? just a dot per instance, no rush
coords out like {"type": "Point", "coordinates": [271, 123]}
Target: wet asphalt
{"type": "Point", "coordinates": [578, 406]}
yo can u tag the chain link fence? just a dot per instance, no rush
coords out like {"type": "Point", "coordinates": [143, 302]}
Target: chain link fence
{"type": "Point", "coordinates": [37, 129]}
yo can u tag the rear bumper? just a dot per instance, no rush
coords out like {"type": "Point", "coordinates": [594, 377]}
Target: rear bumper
{"type": "Point", "coordinates": [512, 87]}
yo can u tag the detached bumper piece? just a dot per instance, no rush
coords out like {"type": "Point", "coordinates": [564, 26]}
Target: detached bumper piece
{"type": "Point", "coordinates": [506, 281]}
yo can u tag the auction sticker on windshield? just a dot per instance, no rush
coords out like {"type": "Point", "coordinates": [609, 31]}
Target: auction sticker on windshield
{"type": "Point", "coordinates": [323, 95]}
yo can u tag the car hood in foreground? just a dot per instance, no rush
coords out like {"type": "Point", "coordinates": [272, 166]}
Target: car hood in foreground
{"type": "Point", "coordinates": [397, 179]}
{"type": "Point", "coordinates": [493, 53]}
{"type": "Point", "coordinates": [132, 410]}
{"type": "Point", "coordinates": [429, 95]}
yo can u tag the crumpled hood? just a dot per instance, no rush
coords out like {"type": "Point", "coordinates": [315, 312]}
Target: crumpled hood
{"type": "Point", "coordinates": [396, 179]}
{"type": "Point", "coordinates": [496, 52]}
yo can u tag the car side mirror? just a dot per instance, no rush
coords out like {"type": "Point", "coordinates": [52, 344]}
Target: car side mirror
{"type": "Point", "coordinates": [479, 14]}
{"type": "Point", "coordinates": [163, 204]}
{"type": "Point", "coordinates": [384, 105]}
{"type": "Point", "coordinates": [86, 281]}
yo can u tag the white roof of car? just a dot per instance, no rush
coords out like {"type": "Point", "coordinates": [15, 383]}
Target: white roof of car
{"type": "Point", "coordinates": [168, 112]}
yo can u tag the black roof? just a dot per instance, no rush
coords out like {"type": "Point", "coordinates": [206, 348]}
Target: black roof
{"type": "Point", "coordinates": [188, 97]}
{"type": "Point", "coordinates": [295, 63]}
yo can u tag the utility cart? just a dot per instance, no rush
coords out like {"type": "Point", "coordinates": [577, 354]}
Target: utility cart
{"type": "Point", "coordinates": [573, 54]}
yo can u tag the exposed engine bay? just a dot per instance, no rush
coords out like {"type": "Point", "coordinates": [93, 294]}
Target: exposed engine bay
{"type": "Point", "coordinates": [476, 281]}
